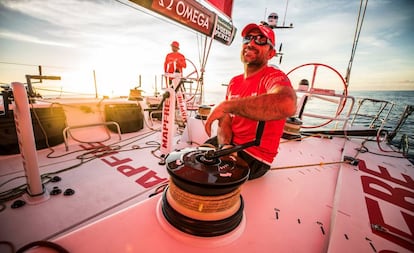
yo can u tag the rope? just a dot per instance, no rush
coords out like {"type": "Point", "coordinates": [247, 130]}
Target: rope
{"type": "Point", "coordinates": [358, 29]}
{"type": "Point", "coordinates": [204, 204]}
{"type": "Point", "coordinates": [308, 165]}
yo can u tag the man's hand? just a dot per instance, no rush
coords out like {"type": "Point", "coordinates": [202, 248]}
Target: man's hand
{"type": "Point", "coordinates": [219, 114]}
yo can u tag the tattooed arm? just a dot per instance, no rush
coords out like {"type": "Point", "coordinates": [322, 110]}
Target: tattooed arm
{"type": "Point", "coordinates": [279, 103]}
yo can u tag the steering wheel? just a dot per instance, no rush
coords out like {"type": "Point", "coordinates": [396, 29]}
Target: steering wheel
{"type": "Point", "coordinates": [190, 76]}
{"type": "Point", "coordinates": [322, 91]}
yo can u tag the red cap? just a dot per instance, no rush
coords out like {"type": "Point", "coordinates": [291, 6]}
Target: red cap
{"type": "Point", "coordinates": [265, 30]}
{"type": "Point", "coordinates": [175, 44]}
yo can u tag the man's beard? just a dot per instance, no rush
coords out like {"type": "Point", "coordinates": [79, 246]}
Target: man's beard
{"type": "Point", "coordinates": [255, 62]}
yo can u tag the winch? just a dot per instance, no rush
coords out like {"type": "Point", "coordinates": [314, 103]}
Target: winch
{"type": "Point", "coordinates": [203, 196]}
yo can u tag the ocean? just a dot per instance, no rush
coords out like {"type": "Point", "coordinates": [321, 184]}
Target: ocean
{"type": "Point", "coordinates": [401, 100]}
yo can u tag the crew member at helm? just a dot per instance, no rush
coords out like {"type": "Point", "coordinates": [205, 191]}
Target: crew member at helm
{"type": "Point", "coordinates": [174, 61]}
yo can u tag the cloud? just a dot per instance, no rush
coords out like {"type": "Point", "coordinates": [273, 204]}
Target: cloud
{"type": "Point", "coordinates": [32, 39]}
{"type": "Point", "coordinates": [131, 38]}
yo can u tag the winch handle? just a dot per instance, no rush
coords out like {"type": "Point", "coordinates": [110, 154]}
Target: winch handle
{"type": "Point", "coordinates": [222, 152]}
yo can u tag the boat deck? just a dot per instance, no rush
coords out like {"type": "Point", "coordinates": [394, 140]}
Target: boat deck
{"type": "Point", "coordinates": [311, 201]}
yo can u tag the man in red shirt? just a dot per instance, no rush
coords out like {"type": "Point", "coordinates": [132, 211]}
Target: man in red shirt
{"type": "Point", "coordinates": [261, 93]}
{"type": "Point", "coordinates": [174, 61]}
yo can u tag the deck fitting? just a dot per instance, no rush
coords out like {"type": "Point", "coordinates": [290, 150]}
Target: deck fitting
{"type": "Point", "coordinates": [351, 160]}
{"type": "Point", "coordinates": [56, 191]}
{"type": "Point", "coordinates": [18, 203]}
{"type": "Point", "coordinates": [69, 192]}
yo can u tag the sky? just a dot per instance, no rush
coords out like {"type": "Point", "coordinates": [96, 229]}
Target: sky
{"type": "Point", "coordinates": [122, 43]}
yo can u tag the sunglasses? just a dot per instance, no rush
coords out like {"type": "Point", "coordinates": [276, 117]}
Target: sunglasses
{"type": "Point", "coordinates": [258, 39]}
